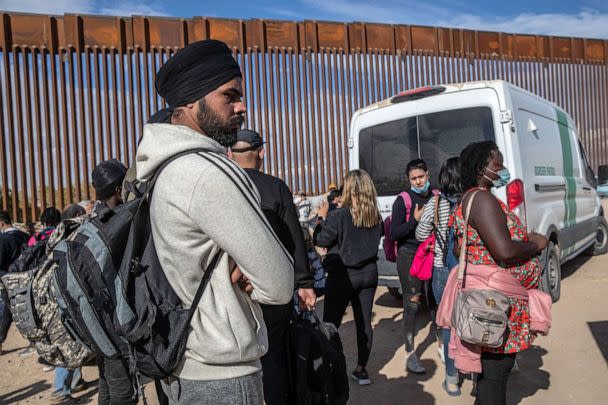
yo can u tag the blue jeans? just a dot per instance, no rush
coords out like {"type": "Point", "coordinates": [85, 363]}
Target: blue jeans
{"type": "Point", "coordinates": [66, 380]}
{"type": "Point", "coordinates": [451, 374]}
{"type": "Point", "coordinates": [440, 279]}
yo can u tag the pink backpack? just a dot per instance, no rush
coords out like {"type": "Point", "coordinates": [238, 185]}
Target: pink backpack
{"type": "Point", "coordinates": [390, 245]}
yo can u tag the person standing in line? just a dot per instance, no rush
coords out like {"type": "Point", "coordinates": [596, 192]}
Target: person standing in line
{"type": "Point", "coordinates": [205, 205]}
{"type": "Point", "coordinates": [496, 236]}
{"type": "Point", "coordinates": [354, 231]}
{"type": "Point", "coordinates": [444, 259]}
{"type": "Point", "coordinates": [277, 205]}
{"type": "Point", "coordinates": [403, 231]}
{"type": "Point", "coordinates": [68, 381]}
{"type": "Point", "coordinates": [12, 241]}
{"type": "Point", "coordinates": [115, 383]}
{"type": "Point", "coordinates": [50, 218]}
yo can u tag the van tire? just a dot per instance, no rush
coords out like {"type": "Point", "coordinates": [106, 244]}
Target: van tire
{"type": "Point", "coordinates": [600, 247]}
{"type": "Point", "coordinates": [552, 272]}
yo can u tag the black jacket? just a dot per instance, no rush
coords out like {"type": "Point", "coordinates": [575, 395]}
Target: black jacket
{"type": "Point", "coordinates": [355, 247]}
{"type": "Point", "coordinates": [277, 205]}
{"type": "Point", "coordinates": [11, 245]}
{"type": "Point", "coordinates": [405, 232]}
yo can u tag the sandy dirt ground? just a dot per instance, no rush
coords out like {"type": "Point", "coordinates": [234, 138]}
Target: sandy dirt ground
{"type": "Point", "coordinates": [567, 367]}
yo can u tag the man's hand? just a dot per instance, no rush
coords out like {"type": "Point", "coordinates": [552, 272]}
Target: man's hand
{"type": "Point", "coordinates": [307, 298]}
{"type": "Point", "coordinates": [237, 277]}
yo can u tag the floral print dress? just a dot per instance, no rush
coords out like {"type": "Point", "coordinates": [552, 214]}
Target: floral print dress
{"type": "Point", "coordinates": [527, 273]}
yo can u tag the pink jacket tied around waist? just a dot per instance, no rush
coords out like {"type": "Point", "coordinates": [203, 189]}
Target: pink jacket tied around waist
{"type": "Point", "coordinates": [467, 357]}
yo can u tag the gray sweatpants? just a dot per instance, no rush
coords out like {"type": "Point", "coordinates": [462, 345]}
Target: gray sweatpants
{"type": "Point", "coordinates": [245, 390]}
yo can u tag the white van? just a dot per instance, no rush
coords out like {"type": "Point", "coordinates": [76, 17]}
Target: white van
{"type": "Point", "coordinates": [552, 187]}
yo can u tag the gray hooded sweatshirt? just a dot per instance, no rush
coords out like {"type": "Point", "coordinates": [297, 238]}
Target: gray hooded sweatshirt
{"type": "Point", "coordinates": [204, 203]}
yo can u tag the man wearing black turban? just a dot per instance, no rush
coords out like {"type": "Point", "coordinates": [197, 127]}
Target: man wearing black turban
{"type": "Point", "coordinates": [203, 204]}
{"type": "Point", "coordinates": [202, 85]}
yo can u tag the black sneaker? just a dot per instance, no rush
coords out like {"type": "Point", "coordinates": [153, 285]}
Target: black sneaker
{"type": "Point", "coordinates": [361, 377]}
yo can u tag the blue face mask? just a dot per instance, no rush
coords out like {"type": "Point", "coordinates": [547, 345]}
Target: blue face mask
{"type": "Point", "coordinates": [503, 177]}
{"type": "Point", "coordinates": [423, 189]}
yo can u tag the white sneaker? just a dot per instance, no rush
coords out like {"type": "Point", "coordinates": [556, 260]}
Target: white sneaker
{"type": "Point", "coordinates": [441, 354]}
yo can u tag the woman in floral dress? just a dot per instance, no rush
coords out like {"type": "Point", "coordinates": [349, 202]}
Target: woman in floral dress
{"type": "Point", "coordinates": [496, 236]}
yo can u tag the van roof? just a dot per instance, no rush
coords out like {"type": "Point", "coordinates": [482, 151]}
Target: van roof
{"type": "Point", "coordinates": [455, 87]}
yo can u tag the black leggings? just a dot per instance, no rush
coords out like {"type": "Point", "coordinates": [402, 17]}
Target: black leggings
{"type": "Point", "coordinates": [358, 287]}
{"type": "Point", "coordinates": [492, 382]}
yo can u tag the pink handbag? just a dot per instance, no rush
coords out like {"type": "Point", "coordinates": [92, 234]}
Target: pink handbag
{"type": "Point", "coordinates": [422, 266]}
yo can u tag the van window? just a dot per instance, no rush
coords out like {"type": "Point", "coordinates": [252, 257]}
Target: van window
{"type": "Point", "coordinates": [589, 174]}
{"type": "Point", "coordinates": [385, 149]}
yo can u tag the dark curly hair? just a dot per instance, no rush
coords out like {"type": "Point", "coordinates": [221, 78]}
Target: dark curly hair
{"type": "Point", "coordinates": [473, 160]}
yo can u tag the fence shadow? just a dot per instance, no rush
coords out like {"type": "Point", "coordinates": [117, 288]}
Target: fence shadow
{"type": "Point", "coordinates": [24, 393]}
{"type": "Point", "coordinates": [530, 378]}
{"type": "Point", "coordinates": [599, 330]}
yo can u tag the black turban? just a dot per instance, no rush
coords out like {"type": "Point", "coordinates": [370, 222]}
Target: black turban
{"type": "Point", "coordinates": [195, 71]}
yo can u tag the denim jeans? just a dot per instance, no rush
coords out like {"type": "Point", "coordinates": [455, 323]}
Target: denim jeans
{"type": "Point", "coordinates": [440, 278]}
{"type": "Point", "coordinates": [66, 380]}
{"type": "Point", "coordinates": [451, 374]}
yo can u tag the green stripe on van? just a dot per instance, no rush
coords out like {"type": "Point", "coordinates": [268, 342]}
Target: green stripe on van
{"type": "Point", "coordinates": [568, 164]}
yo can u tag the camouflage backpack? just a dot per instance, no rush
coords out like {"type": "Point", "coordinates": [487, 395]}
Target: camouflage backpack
{"type": "Point", "coordinates": [35, 309]}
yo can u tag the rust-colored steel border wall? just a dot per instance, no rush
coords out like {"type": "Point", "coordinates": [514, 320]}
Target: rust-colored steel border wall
{"type": "Point", "coordinates": [76, 89]}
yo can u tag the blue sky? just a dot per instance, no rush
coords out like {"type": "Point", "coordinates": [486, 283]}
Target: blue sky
{"type": "Point", "coordinates": [583, 18]}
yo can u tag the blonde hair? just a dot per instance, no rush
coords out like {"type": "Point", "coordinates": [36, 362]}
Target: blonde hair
{"type": "Point", "coordinates": [359, 195]}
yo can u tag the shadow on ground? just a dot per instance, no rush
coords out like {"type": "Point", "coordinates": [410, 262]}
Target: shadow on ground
{"type": "Point", "coordinates": [573, 265]}
{"type": "Point", "coordinates": [388, 341]}
{"type": "Point", "coordinates": [24, 393]}
{"type": "Point", "coordinates": [599, 330]}
{"type": "Point", "coordinates": [530, 378]}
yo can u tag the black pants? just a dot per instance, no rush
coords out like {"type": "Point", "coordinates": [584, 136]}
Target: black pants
{"type": "Point", "coordinates": [358, 287]}
{"type": "Point", "coordinates": [410, 287]}
{"type": "Point", "coordinates": [492, 382]}
{"type": "Point", "coordinates": [275, 363]}
{"type": "Point", "coordinates": [115, 385]}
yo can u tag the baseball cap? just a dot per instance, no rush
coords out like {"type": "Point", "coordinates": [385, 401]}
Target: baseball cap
{"type": "Point", "coordinates": [249, 136]}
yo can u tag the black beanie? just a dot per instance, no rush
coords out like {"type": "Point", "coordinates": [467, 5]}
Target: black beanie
{"type": "Point", "coordinates": [107, 176]}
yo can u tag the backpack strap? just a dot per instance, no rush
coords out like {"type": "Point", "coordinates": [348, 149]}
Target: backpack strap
{"type": "Point", "coordinates": [141, 219]}
{"type": "Point", "coordinates": [203, 285]}
{"type": "Point", "coordinates": [407, 200]}
{"type": "Point", "coordinates": [149, 185]}
{"type": "Point", "coordinates": [463, 245]}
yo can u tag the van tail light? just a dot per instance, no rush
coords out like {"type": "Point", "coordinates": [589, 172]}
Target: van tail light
{"type": "Point", "coordinates": [418, 93]}
{"type": "Point", "coordinates": [516, 199]}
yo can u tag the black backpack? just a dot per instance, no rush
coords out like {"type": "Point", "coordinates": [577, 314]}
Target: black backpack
{"type": "Point", "coordinates": [31, 256]}
{"type": "Point", "coordinates": [116, 293]}
{"type": "Point", "coordinates": [318, 363]}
